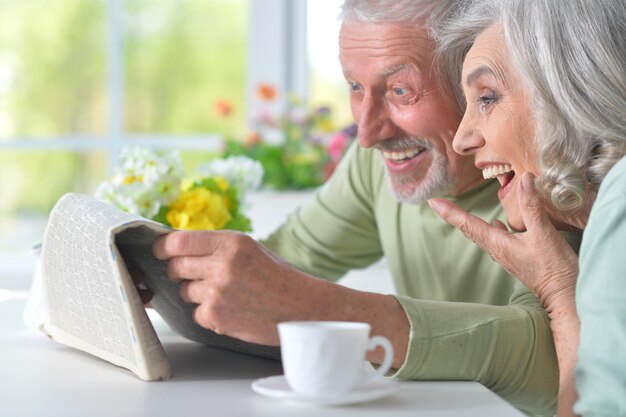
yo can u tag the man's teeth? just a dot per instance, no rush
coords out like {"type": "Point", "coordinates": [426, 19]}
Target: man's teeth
{"type": "Point", "coordinates": [495, 170]}
{"type": "Point", "coordinates": [400, 156]}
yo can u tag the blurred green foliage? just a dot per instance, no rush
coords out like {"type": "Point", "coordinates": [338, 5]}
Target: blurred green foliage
{"type": "Point", "coordinates": [32, 181]}
{"type": "Point", "coordinates": [179, 57]}
{"type": "Point", "coordinates": [52, 59]}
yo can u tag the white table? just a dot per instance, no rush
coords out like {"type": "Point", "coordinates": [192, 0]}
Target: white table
{"type": "Point", "coordinates": [39, 377]}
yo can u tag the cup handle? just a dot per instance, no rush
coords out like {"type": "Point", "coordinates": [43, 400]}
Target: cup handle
{"type": "Point", "coordinates": [383, 342]}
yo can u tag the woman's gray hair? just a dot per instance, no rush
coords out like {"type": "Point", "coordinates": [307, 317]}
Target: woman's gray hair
{"type": "Point", "coordinates": [572, 54]}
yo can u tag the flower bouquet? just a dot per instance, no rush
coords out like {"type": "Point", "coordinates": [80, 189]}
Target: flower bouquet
{"type": "Point", "coordinates": [298, 150]}
{"type": "Point", "coordinates": [152, 184]}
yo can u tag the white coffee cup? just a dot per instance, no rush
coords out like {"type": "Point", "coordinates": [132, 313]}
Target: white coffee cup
{"type": "Point", "coordinates": [326, 358]}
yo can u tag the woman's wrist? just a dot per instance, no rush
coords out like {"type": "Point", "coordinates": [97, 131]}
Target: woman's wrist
{"type": "Point", "coordinates": [561, 304]}
{"type": "Point", "coordinates": [558, 292]}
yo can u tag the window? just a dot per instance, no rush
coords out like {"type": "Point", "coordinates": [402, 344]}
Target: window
{"type": "Point", "coordinates": [327, 85]}
{"type": "Point", "coordinates": [79, 79]}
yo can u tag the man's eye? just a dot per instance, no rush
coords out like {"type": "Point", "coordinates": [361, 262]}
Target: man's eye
{"type": "Point", "coordinates": [354, 86]}
{"type": "Point", "coordinates": [399, 91]}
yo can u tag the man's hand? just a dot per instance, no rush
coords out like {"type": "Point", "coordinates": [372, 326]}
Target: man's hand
{"type": "Point", "coordinates": [539, 257]}
{"type": "Point", "coordinates": [243, 290]}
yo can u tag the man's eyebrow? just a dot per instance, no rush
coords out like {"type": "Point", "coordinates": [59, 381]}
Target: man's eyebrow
{"type": "Point", "coordinates": [477, 73]}
{"type": "Point", "coordinates": [393, 69]}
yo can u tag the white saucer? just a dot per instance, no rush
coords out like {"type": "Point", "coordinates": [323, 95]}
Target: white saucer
{"type": "Point", "coordinates": [277, 387]}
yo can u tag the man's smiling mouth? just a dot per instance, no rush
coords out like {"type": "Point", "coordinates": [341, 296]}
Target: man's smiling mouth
{"type": "Point", "coordinates": [400, 156]}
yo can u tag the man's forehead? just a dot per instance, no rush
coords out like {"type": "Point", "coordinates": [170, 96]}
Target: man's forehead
{"type": "Point", "coordinates": [401, 33]}
{"type": "Point", "coordinates": [394, 46]}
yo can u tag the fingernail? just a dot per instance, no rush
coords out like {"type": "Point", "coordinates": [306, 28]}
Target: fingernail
{"type": "Point", "coordinates": [433, 204]}
{"type": "Point", "coordinates": [437, 205]}
{"type": "Point", "coordinates": [528, 184]}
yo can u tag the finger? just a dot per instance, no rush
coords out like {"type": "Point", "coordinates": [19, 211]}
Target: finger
{"type": "Point", "coordinates": [471, 226]}
{"type": "Point", "coordinates": [500, 225]}
{"type": "Point", "coordinates": [185, 292]}
{"type": "Point", "coordinates": [532, 210]}
{"type": "Point", "coordinates": [188, 243]}
{"type": "Point", "coordinates": [189, 267]}
{"type": "Point", "coordinates": [203, 315]}
{"type": "Point", "coordinates": [196, 292]}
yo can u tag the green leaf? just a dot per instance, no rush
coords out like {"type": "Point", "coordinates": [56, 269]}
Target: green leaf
{"type": "Point", "coordinates": [161, 216]}
{"type": "Point", "coordinates": [239, 222]}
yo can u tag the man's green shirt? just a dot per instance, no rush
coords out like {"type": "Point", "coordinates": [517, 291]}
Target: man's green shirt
{"type": "Point", "coordinates": [470, 320]}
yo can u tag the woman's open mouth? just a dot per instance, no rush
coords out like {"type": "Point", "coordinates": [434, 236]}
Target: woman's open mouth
{"type": "Point", "coordinates": [503, 173]}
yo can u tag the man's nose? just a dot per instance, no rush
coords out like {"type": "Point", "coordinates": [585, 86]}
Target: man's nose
{"type": "Point", "coordinates": [374, 122]}
{"type": "Point", "coordinates": [468, 139]}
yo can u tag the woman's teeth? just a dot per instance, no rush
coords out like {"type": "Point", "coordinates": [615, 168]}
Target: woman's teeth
{"type": "Point", "coordinates": [401, 156]}
{"type": "Point", "coordinates": [496, 171]}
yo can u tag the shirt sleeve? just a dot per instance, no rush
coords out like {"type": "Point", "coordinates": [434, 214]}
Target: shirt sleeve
{"type": "Point", "coordinates": [509, 349]}
{"type": "Point", "coordinates": [600, 300]}
{"type": "Point", "coordinates": [337, 232]}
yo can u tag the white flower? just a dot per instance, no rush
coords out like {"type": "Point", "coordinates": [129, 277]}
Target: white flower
{"type": "Point", "coordinates": [168, 188]}
{"type": "Point", "coordinates": [106, 192]}
{"type": "Point", "coordinates": [147, 180]}
{"type": "Point", "coordinates": [240, 171]}
{"type": "Point", "coordinates": [149, 165]}
{"type": "Point", "coordinates": [147, 204]}
{"type": "Point", "coordinates": [272, 135]}
{"type": "Point", "coordinates": [144, 181]}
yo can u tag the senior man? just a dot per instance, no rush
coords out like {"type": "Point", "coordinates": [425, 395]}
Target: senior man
{"type": "Point", "coordinates": [458, 315]}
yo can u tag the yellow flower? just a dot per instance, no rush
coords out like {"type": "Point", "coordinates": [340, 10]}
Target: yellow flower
{"type": "Point", "coordinates": [199, 209]}
{"type": "Point", "coordinates": [221, 182]}
{"type": "Point", "coordinates": [186, 184]}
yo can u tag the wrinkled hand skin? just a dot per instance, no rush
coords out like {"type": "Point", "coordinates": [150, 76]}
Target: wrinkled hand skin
{"type": "Point", "coordinates": [539, 257]}
{"type": "Point", "coordinates": [243, 290]}
{"type": "Point", "coordinates": [222, 272]}
{"type": "Point", "coordinates": [543, 260]}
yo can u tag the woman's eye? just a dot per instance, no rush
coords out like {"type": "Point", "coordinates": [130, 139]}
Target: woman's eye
{"type": "Point", "coordinates": [487, 101]}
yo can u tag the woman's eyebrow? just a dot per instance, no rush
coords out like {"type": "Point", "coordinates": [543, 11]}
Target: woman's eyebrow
{"type": "Point", "coordinates": [477, 73]}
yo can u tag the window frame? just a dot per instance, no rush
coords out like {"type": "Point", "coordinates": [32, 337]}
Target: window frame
{"type": "Point", "coordinates": [276, 54]}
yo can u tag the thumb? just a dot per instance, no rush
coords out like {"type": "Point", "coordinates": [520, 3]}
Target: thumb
{"type": "Point", "coordinates": [532, 210]}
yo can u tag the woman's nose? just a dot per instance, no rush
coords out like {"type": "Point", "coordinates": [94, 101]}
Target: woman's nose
{"type": "Point", "coordinates": [468, 139]}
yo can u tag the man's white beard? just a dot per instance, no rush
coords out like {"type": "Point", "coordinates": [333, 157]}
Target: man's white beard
{"type": "Point", "coordinates": [438, 182]}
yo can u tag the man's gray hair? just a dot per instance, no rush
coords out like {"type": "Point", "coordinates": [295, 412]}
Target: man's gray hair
{"type": "Point", "coordinates": [571, 54]}
{"type": "Point", "coordinates": [398, 11]}
{"type": "Point", "coordinates": [423, 13]}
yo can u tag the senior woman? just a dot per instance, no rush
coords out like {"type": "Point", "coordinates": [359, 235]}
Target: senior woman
{"type": "Point", "coordinates": [545, 87]}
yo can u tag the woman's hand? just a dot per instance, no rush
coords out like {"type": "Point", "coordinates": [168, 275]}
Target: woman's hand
{"type": "Point", "coordinates": [543, 261]}
{"type": "Point", "coordinates": [539, 257]}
